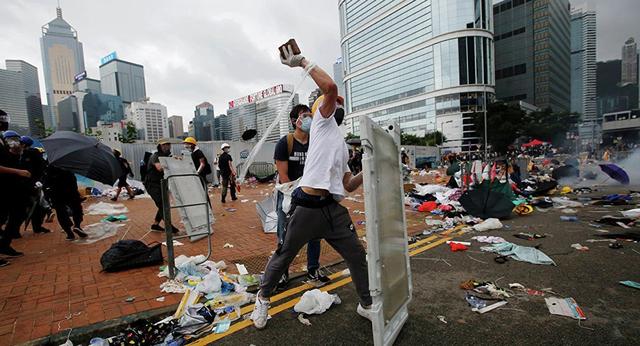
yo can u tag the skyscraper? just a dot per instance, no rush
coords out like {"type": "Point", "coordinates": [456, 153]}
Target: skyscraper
{"type": "Point", "coordinates": [204, 122]}
{"type": "Point", "coordinates": [176, 128]}
{"type": "Point", "coordinates": [222, 128]}
{"type": "Point", "coordinates": [583, 73]}
{"type": "Point", "coordinates": [533, 52]}
{"type": "Point", "coordinates": [630, 62]}
{"type": "Point", "coordinates": [422, 63]}
{"type": "Point", "coordinates": [62, 59]}
{"type": "Point", "coordinates": [314, 96]}
{"type": "Point", "coordinates": [20, 97]}
{"type": "Point", "coordinates": [150, 119]}
{"type": "Point", "coordinates": [258, 110]}
{"type": "Point", "coordinates": [82, 110]}
{"type": "Point", "coordinates": [122, 78]}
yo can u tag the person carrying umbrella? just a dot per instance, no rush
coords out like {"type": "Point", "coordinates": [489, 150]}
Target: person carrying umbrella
{"type": "Point", "coordinates": [122, 181]}
{"type": "Point", "coordinates": [153, 181]}
{"type": "Point", "coordinates": [62, 187]}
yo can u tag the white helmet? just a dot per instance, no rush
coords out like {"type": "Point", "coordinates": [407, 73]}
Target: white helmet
{"type": "Point", "coordinates": [224, 145]}
{"type": "Point", "coordinates": [402, 149]}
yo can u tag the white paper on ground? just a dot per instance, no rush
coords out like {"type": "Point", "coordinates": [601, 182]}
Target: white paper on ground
{"type": "Point", "coordinates": [242, 270]}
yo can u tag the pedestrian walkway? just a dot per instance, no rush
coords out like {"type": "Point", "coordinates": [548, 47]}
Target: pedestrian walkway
{"type": "Point", "coordinates": [59, 285]}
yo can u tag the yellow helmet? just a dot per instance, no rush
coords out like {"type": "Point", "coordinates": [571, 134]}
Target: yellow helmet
{"type": "Point", "coordinates": [190, 140]}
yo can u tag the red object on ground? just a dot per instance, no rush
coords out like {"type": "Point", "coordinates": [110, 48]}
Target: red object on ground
{"type": "Point", "coordinates": [534, 143]}
{"type": "Point", "coordinates": [445, 207]}
{"type": "Point", "coordinates": [457, 247]}
{"type": "Point", "coordinates": [428, 206]}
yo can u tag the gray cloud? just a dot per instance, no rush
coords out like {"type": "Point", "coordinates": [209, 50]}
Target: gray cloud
{"type": "Point", "coordinates": [216, 51]}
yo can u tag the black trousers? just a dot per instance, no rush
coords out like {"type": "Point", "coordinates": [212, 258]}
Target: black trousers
{"type": "Point", "coordinates": [226, 181]}
{"type": "Point", "coordinates": [15, 215]}
{"type": "Point", "coordinates": [68, 220]}
{"type": "Point", "coordinates": [155, 191]}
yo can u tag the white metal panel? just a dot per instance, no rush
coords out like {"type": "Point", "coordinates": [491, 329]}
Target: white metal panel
{"type": "Point", "coordinates": [388, 253]}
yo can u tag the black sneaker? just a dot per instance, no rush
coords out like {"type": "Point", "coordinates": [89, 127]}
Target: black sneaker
{"type": "Point", "coordinates": [9, 251]}
{"type": "Point", "coordinates": [284, 282]}
{"type": "Point", "coordinates": [41, 230]}
{"type": "Point", "coordinates": [80, 232]}
{"type": "Point", "coordinates": [316, 279]}
{"type": "Point", "coordinates": [175, 229]}
{"type": "Point", "coordinates": [70, 235]}
{"type": "Point", "coordinates": [234, 198]}
{"type": "Point", "coordinates": [157, 228]}
{"type": "Point", "coordinates": [3, 263]}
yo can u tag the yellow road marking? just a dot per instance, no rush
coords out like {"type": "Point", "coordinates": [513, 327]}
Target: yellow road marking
{"type": "Point", "coordinates": [289, 304]}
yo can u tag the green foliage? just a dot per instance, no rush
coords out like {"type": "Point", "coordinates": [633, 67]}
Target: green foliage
{"type": "Point", "coordinates": [130, 133]}
{"type": "Point", "coordinates": [431, 139]}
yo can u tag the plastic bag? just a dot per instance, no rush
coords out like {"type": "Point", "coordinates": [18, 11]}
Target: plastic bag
{"type": "Point", "coordinates": [316, 302]}
{"type": "Point", "coordinates": [488, 224]}
{"type": "Point", "coordinates": [102, 208]}
{"type": "Point", "coordinates": [210, 283]}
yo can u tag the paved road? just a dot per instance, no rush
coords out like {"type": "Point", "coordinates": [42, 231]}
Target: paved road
{"type": "Point", "coordinates": [591, 278]}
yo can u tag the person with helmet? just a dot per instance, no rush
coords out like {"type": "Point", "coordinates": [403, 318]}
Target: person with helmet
{"type": "Point", "coordinates": [153, 180]}
{"type": "Point", "coordinates": [227, 172]}
{"type": "Point", "coordinates": [199, 162]}
{"type": "Point", "coordinates": [315, 211]}
{"type": "Point", "coordinates": [33, 160]}
{"type": "Point", "coordinates": [404, 157]}
{"type": "Point", "coordinates": [14, 182]}
{"type": "Point", "coordinates": [125, 167]}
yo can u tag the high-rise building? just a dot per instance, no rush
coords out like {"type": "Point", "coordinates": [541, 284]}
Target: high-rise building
{"type": "Point", "coordinates": [613, 96]}
{"type": "Point", "coordinates": [314, 96]}
{"type": "Point", "coordinates": [176, 129]}
{"type": "Point", "coordinates": [258, 110]}
{"type": "Point", "coordinates": [338, 76]}
{"type": "Point", "coordinates": [630, 62]}
{"type": "Point", "coordinates": [150, 119]}
{"type": "Point", "coordinates": [222, 128]}
{"type": "Point", "coordinates": [204, 122]}
{"type": "Point", "coordinates": [62, 60]}
{"type": "Point", "coordinates": [87, 85]}
{"type": "Point", "coordinates": [533, 52]}
{"type": "Point", "coordinates": [583, 74]}
{"type": "Point", "coordinates": [422, 64]}
{"type": "Point", "coordinates": [82, 111]}
{"type": "Point", "coordinates": [20, 97]}
{"type": "Point", "coordinates": [122, 78]}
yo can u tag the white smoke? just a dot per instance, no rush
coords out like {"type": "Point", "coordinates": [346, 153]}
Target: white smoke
{"type": "Point", "coordinates": [632, 166]}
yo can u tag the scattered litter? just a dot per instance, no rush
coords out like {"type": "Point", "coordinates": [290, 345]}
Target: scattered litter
{"type": "Point", "coordinates": [602, 231]}
{"type": "Point", "coordinates": [565, 203]}
{"type": "Point", "coordinates": [632, 284]}
{"type": "Point", "coordinates": [103, 208]}
{"type": "Point", "coordinates": [487, 225]}
{"type": "Point", "coordinates": [488, 239]}
{"type": "Point", "coordinates": [244, 200]}
{"type": "Point", "coordinates": [432, 222]}
{"type": "Point", "coordinates": [569, 211]}
{"type": "Point", "coordinates": [459, 242]}
{"type": "Point", "coordinates": [579, 247]}
{"type": "Point", "coordinates": [633, 213]}
{"type": "Point", "coordinates": [490, 307]}
{"type": "Point", "coordinates": [361, 222]}
{"type": "Point", "coordinates": [569, 218]}
{"type": "Point", "coordinates": [99, 231]}
{"type": "Point", "coordinates": [231, 209]}
{"type": "Point", "coordinates": [519, 253]}
{"type": "Point", "coordinates": [477, 260]}
{"type": "Point", "coordinates": [529, 236]}
{"type": "Point", "coordinates": [303, 320]}
{"type": "Point", "coordinates": [172, 286]}
{"type": "Point", "coordinates": [442, 319]}
{"type": "Point", "coordinates": [457, 247]}
{"type": "Point", "coordinates": [114, 218]}
{"type": "Point", "coordinates": [565, 307]}
{"type": "Point", "coordinates": [227, 245]}
{"type": "Point", "coordinates": [130, 299]}
{"type": "Point", "coordinates": [600, 240]}
{"type": "Point", "coordinates": [175, 243]}
{"type": "Point", "coordinates": [358, 211]}
{"type": "Point", "coordinates": [622, 225]}
{"type": "Point", "coordinates": [160, 299]}
{"type": "Point", "coordinates": [615, 246]}
{"type": "Point", "coordinates": [222, 327]}
{"type": "Point", "coordinates": [615, 221]}
{"type": "Point", "coordinates": [475, 302]}
{"type": "Point", "coordinates": [242, 270]}
{"type": "Point", "coordinates": [316, 302]}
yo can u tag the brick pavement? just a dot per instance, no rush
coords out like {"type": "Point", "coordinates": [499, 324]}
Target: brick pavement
{"type": "Point", "coordinates": [59, 285]}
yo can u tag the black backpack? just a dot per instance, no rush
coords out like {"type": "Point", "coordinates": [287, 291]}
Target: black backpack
{"type": "Point", "coordinates": [129, 254]}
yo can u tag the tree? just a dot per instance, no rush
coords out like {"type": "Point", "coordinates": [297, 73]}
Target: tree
{"type": "Point", "coordinates": [351, 136]}
{"type": "Point", "coordinates": [431, 139]}
{"type": "Point", "coordinates": [549, 126]}
{"type": "Point", "coordinates": [130, 133]}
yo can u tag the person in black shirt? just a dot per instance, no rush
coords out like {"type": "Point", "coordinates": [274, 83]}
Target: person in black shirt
{"type": "Point", "coordinates": [122, 181]}
{"type": "Point", "coordinates": [35, 163]}
{"type": "Point", "coordinates": [199, 162]}
{"type": "Point", "coordinates": [227, 172]}
{"type": "Point", "coordinates": [290, 154]}
{"type": "Point", "coordinates": [153, 179]}
{"type": "Point", "coordinates": [62, 187]}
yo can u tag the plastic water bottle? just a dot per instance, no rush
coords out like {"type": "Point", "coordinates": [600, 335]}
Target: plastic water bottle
{"type": "Point", "coordinates": [569, 218]}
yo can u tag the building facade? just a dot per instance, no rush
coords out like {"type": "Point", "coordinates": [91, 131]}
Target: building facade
{"type": "Point", "coordinates": [176, 127]}
{"type": "Point", "coordinates": [87, 85]}
{"type": "Point", "coordinates": [62, 60]}
{"type": "Point", "coordinates": [612, 95]}
{"type": "Point", "coordinates": [258, 111]}
{"type": "Point", "coordinates": [82, 111]}
{"type": "Point", "coordinates": [338, 76]}
{"type": "Point", "coordinates": [533, 52]}
{"type": "Point", "coordinates": [422, 64]}
{"type": "Point", "coordinates": [20, 97]}
{"type": "Point", "coordinates": [124, 79]}
{"type": "Point", "coordinates": [204, 122]}
{"type": "Point", "coordinates": [222, 128]}
{"type": "Point", "coordinates": [150, 119]}
{"type": "Point", "coordinates": [314, 96]}
{"type": "Point", "coordinates": [583, 74]}
{"type": "Point", "coordinates": [629, 62]}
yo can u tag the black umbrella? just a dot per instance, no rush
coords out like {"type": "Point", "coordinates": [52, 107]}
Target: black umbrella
{"type": "Point", "coordinates": [483, 202]}
{"type": "Point", "coordinates": [82, 155]}
{"type": "Point", "coordinates": [249, 134]}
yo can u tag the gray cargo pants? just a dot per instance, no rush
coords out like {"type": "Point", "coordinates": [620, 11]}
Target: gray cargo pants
{"type": "Point", "coordinates": [332, 223]}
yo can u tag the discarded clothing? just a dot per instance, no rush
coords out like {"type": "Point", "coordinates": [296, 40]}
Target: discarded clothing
{"type": "Point", "coordinates": [614, 220]}
{"type": "Point", "coordinates": [103, 208]}
{"type": "Point", "coordinates": [488, 239]}
{"type": "Point", "coordinates": [633, 213]}
{"type": "Point", "coordinates": [316, 302]}
{"type": "Point", "coordinates": [626, 235]}
{"type": "Point", "coordinates": [115, 218]}
{"type": "Point", "coordinates": [632, 284]}
{"type": "Point", "coordinates": [519, 253]}
{"type": "Point", "coordinates": [487, 225]}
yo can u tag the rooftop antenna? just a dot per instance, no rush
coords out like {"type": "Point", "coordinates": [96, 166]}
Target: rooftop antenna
{"type": "Point", "coordinates": [59, 10]}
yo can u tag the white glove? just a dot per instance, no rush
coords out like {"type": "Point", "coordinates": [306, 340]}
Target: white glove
{"type": "Point", "coordinates": [38, 184]}
{"type": "Point", "coordinates": [291, 59]}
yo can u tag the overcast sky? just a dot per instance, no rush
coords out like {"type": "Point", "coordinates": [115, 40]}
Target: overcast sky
{"type": "Point", "coordinates": [216, 51]}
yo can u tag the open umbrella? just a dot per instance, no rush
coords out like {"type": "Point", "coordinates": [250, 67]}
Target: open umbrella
{"type": "Point", "coordinates": [82, 155]}
{"type": "Point", "coordinates": [616, 173]}
{"type": "Point", "coordinates": [249, 134]}
{"type": "Point", "coordinates": [533, 143]}
{"type": "Point", "coordinates": [486, 202]}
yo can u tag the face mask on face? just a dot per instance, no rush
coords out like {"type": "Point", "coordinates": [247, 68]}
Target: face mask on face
{"type": "Point", "coordinates": [226, 150]}
{"type": "Point", "coordinates": [188, 148]}
{"type": "Point", "coordinates": [339, 115]}
{"type": "Point", "coordinates": [13, 143]}
{"type": "Point", "coordinates": [306, 124]}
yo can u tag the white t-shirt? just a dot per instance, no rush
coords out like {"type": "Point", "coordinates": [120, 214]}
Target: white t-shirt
{"type": "Point", "coordinates": [327, 157]}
